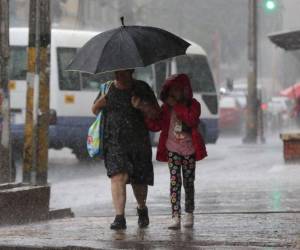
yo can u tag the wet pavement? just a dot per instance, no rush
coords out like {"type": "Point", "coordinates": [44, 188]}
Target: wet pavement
{"type": "Point", "coordinates": [234, 178]}
{"type": "Point", "coordinates": [246, 198]}
{"type": "Point", "coordinates": [211, 231]}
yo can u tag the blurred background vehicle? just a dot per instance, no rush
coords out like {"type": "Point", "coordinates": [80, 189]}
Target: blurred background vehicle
{"type": "Point", "coordinates": [231, 115]}
{"type": "Point", "coordinates": [279, 112]}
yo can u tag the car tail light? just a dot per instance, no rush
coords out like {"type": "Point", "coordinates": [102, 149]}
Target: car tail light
{"type": "Point", "coordinates": [264, 106]}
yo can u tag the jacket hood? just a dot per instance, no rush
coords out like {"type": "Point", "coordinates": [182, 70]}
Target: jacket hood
{"type": "Point", "coordinates": [181, 80]}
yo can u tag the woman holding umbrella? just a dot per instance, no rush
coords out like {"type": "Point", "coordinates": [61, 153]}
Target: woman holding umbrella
{"type": "Point", "coordinates": [127, 149]}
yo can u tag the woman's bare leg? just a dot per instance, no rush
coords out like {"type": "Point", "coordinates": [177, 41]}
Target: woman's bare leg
{"type": "Point", "coordinates": [118, 191]}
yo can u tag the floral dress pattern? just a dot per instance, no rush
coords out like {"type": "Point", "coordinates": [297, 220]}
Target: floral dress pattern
{"type": "Point", "coordinates": [127, 146]}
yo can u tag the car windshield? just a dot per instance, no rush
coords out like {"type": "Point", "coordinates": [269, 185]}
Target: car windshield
{"type": "Point", "coordinates": [227, 102]}
{"type": "Point", "coordinates": [197, 68]}
{"type": "Point", "coordinates": [17, 67]}
{"type": "Point", "coordinates": [242, 100]}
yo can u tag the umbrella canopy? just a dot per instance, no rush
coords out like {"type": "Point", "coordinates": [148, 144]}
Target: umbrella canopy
{"type": "Point", "coordinates": [292, 92]}
{"type": "Point", "coordinates": [127, 47]}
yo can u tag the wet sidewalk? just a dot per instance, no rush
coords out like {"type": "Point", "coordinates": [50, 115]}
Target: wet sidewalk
{"type": "Point", "coordinates": [211, 231]}
{"type": "Point", "coordinates": [246, 198]}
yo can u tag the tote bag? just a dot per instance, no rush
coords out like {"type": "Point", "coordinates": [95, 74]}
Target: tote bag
{"type": "Point", "coordinates": [96, 130]}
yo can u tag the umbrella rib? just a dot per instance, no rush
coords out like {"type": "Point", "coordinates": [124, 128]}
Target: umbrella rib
{"type": "Point", "coordinates": [131, 38]}
{"type": "Point", "coordinates": [106, 44]}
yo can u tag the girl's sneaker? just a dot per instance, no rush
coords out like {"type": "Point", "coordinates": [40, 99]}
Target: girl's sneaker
{"type": "Point", "coordinates": [175, 223]}
{"type": "Point", "coordinates": [189, 220]}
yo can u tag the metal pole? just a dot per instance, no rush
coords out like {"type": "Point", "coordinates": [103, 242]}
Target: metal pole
{"type": "Point", "coordinates": [43, 115]}
{"type": "Point", "coordinates": [251, 116]}
{"type": "Point", "coordinates": [260, 119]}
{"type": "Point", "coordinates": [31, 61]}
{"type": "Point", "coordinates": [216, 57]}
{"type": "Point", "coordinates": [36, 91]}
{"type": "Point", "coordinates": [5, 140]}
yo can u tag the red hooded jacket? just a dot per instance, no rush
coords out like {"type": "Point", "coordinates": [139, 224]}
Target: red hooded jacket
{"type": "Point", "coordinates": [189, 115]}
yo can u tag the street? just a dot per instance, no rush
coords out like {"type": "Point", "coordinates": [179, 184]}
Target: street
{"type": "Point", "coordinates": [234, 178]}
{"type": "Point", "coordinates": [246, 198]}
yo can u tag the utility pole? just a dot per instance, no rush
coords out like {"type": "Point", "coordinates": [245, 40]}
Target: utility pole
{"type": "Point", "coordinates": [216, 57]}
{"type": "Point", "coordinates": [5, 140]}
{"type": "Point", "coordinates": [43, 113]}
{"type": "Point", "coordinates": [31, 64]}
{"type": "Point", "coordinates": [252, 102]}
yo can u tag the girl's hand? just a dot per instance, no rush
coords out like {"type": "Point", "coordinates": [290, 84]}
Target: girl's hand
{"type": "Point", "coordinates": [171, 101]}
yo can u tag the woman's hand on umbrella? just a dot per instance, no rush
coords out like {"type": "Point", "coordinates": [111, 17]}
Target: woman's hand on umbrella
{"type": "Point", "coordinates": [136, 102]}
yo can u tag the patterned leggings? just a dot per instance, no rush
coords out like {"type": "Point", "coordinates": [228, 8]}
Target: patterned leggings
{"type": "Point", "coordinates": [187, 163]}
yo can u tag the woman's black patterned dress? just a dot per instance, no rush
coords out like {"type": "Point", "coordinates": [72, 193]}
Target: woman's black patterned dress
{"type": "Point", "coordinates": [127, 145]}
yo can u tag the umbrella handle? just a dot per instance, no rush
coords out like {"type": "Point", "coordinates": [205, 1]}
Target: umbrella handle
{"type": "Point", "coordinates": [122, 21]}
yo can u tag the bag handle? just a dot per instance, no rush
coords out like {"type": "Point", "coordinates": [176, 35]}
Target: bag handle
{"type": "Point", "coordinates": [105, 87]}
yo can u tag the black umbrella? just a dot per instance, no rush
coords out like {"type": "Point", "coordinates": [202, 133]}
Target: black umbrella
{"type": "Point", "coordinates": [127, 47]}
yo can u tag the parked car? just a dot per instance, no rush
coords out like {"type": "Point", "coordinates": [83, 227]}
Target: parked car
{"type": "Point", "coordinates": [231, 114]}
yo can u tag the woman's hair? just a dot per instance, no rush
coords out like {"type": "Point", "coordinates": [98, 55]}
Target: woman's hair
{"type": "Point", "coordinates": [164, 95]}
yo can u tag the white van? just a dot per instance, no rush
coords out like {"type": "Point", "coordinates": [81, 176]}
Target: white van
{"type": "Point", "coordinates": [72, 93]}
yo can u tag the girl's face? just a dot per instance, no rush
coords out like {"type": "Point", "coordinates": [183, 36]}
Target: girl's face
{"type": "Point", "coordinates": [176, 92]}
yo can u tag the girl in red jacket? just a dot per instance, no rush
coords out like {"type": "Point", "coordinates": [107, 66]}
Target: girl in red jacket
{"type": "Point", "coordinates": [180, 143]}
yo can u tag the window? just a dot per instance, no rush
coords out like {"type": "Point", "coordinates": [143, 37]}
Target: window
{"type": "Point", "coordinates": [227, 102]}
{"type": "Point", "coordinates": [74, 80]}
{"type": "Point", "coordinates": [68, 80]}
{"type": "Point", "coordinates": [197, 68]}
{"type": "Point", "coordinates": [144, 74]}
{"type": "Point", "coordinates": [93, 82]}
{"type": "Point", "coordinates": [161, 74]}
{"type": "Point", "coordinates": [17, 67]}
